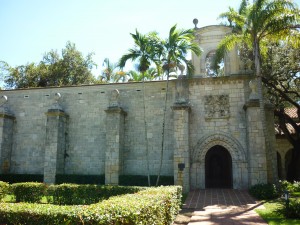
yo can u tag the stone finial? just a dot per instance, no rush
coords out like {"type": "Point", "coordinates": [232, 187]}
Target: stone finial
{"type": "Point", "coordinates": [3, 100]}
{"type": "Point", "coordinates": [114, 100]}
{"type": "Point", "coordinates": [57, 97]}
{"type": "Point", "coordinates": [181, 68]}
{"type": "Point", "coordinates": [181, 90]}
{"type": "Point", "coordinates": [195, 22]}
{"type": "Point", "coordinates": [3, 108]}
{"type": "Point", "coordinates": [57, 100]}
{"type": "Point", "coordinates": [253, 87]}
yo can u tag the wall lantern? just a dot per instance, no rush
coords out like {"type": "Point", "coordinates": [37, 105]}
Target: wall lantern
{"type": "Point", "coordinates": [181, 166]}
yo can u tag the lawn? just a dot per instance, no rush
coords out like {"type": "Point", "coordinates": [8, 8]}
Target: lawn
{"type": "Point", "coordinates": [272, 217]}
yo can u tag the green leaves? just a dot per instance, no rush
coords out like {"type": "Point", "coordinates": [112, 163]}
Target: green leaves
{"type": "Point", "coordinates": [149, 206]}
{"type": "Point", "coordinates": [71, 68]}
{"type": "Point", "coordinates": [259, 23]}
{"type": "Point", "coordinates": [165, 54]}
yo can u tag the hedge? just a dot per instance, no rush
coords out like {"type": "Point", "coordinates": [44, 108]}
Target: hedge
{"type": "Point", "coordinates": [4, 189]}
{"type": "Point", "coordinates": [151, 206]}
{"type": "Point", "coordinates": [74, 194]}
{"type": "Point", "coordinates": [28, 192]}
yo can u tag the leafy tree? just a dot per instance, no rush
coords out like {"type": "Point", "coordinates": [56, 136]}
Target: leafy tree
{"type": "Point", "coordinates": [69, 69]}
{"type": "Point", "coordinates": [255, 25]}
{"type": "Point", "coordinates": [281, 69]}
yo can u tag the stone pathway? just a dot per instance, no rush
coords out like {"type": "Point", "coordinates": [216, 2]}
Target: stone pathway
{"type": "Point", "coordinates": [219, 207]}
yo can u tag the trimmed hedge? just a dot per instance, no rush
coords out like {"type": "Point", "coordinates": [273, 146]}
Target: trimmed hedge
{"type": "Point", "coordinates": [140, 180]}
{"type": "Point", "coordinates": [28, 192]}
{"type": "Point", "coordinates": [4, 189]}
{"type": "Point", "coordinates": [151, 206]}
{"type": "Point", "coordinates": [79, 179]}
{"type": "Point", "coordinates": [74, 194]}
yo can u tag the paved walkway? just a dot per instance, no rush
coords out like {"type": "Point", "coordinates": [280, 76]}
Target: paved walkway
{"type": "Point", "coordinates": [219, 207]}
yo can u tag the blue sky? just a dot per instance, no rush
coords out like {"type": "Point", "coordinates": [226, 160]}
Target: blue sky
{"type": "Point", "coordinates": [29, 28]}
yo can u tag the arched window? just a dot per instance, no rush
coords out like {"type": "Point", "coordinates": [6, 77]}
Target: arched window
{"type": "Point", "coordinates": [210, 70]}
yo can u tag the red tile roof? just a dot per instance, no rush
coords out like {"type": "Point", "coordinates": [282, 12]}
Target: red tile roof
{"type": "Point", "coordinates": [292, 112]}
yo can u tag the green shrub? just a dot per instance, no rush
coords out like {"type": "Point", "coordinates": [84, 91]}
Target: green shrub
{"type": "Point", "coordinates": [74, 194]}
{"type": "Point", "coordinates": [28, 192]}
{"type": "Point", "coordinates": [141, 180]}
{"type": "Point", "coordinates": [151, 206]}
{"type": "Point", "coordinates": [79, 179]}
{"type": "Point", "coordinates": [284, 185]}
{"type": "Point", "coordinates": [264, 191]}
{"type": "Point", "coordinates": [291, 187]}
{"type": "Point", "coordinates": [4, 188]}
{"type": "Point", "coordinates": [296, 186]}
{"type": "Point", "coordinates": [292, 211]}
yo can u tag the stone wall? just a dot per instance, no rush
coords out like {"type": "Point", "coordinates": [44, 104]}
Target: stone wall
{"type": "Point", "coordinates": [96, 131]}
{"type": "Point", "coordinates": [85, 132]}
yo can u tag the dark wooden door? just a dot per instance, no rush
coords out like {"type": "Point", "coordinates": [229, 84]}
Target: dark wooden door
{"type": "Point", "coordinates": [218, 168]}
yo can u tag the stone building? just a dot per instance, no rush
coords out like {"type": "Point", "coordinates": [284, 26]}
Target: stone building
{"type": "Point", "coordinates": [213, 129]}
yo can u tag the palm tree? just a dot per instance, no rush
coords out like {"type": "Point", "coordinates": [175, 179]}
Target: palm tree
{"type": "Point", "coordinates": [108, 73]}
{"type": "Point", "coordinates": [173, 56]}
{"type": "Point", "coordinates": [144, 52]}
{"type": "Point", "coordinates": [256, 24]}
{"type": "Point", "coordinates": [148, 75]}
{"type": "Point", "coordinates": [134, 76]}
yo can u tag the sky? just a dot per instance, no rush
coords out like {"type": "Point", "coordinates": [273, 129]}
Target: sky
{"type": "Point", "coordinates": [30, 28]}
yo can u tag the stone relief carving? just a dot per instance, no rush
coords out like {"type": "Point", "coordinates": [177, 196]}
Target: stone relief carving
{"type": "Point", "coordinates": [216, 106]}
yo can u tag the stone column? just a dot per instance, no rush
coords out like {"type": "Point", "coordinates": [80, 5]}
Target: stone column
{"type": "Point", "coordinates": [6, 135]}
{"type": "Point", "coordinates": [115, 118]}
{"type": "Point", "coordinates": [181, 109]}
{"type": "Point", "coordinates": [55, 141]}
{"type": "Point", "coordinates": [257, 160]}
{"type": "Point", "coordinates": [181, 146]}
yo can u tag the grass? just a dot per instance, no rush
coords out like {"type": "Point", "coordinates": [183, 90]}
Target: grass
{"type": "Point", "coordinates": [295, 194]}
{"type": "Point", "coordinates": [271, 215]}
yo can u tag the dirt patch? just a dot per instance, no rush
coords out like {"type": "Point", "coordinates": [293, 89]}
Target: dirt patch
{"type": "Point", "coordinates": [183, 217]}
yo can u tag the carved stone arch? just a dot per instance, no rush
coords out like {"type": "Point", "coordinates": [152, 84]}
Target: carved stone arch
{"type": "Point", "coordinates": [237, 153]}
{"type": "Point", "coordinates": [235, 149]}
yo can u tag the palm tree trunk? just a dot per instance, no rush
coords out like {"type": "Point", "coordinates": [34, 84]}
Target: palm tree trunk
{"type": "Point", "coordinates": [146, 131]}
{"type": "Point", "coordinates": [163, 129]}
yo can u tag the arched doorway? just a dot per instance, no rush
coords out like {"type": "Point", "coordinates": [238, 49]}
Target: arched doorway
{"type": "Point", "coordinates": [218, 168]}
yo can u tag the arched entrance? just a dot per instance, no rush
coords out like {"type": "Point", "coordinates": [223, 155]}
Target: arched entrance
{"type": "Point", "coordinates": [218, 168]}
